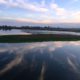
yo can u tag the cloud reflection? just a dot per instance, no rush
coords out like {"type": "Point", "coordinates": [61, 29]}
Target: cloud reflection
{"type": "Point", "coordinates": [42, 60]}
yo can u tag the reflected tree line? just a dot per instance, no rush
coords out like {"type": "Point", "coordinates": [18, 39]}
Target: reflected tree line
{"type": "Point", "coordinates": [5, 27]}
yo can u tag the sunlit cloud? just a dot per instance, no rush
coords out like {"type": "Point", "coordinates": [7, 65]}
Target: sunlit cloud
{"type": "Point", "coordinates": [35, 21]}
{"type": "Point", "coordinates": [76, 15]}
{"type": "Point", "coordinates": [58, 10]}
{"type": "Point", "coordinates": [44, 11]}
{"type": "Point", "coordinates": [24, 5]}
{"type": "Point", "coordinates": [3, 1]}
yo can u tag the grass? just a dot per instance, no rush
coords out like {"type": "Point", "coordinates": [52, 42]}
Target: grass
{"type": "Point", "coordinates": [37, 38]}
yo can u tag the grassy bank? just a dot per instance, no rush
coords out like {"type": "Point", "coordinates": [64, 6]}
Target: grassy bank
{"type": "Point", "coordinates": [37, 38]}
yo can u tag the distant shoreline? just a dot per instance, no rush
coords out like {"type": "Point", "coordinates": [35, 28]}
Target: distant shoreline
{"type": "Point", "coordinates": [37, 38]}
{"type": "Point", "coordinates": [48, 28]}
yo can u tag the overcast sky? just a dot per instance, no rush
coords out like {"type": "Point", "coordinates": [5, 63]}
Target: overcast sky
{"type": "Point", "coordinates": [40, 11]}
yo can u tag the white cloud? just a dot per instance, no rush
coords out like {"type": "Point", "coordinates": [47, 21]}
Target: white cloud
{"type": "Point", "coordinates": [75, 0]}
{"type": "Point", "coordinates": [58, 10]}
{"type": "Point", "coordinates": [3, 1]}
{"type": "Point", "coordinates": [31, 6]}
{"type": "Point", "coordinates": [65, 16]}
{"type": "Point", "coordinates": [62, 14]}
{"type": "Point", "coordinates": [76, 14]}
{"type": "Point", "coordinates": [35, 21]}
{"type": "Point", "coordinates": [25, 5]}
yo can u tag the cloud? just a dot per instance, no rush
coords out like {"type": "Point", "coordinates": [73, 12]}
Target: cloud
{"type": "Point", "coordinates": [24, 5]}
{"type": "Point", "coordinates": [28, 20]}
{"type": "Point", "coordinates": [58, 10]}
{"type": "Point", "coordinates": [45, 20]}
{"type": "Point", "coordinates": [31, 6]}
{"type": "Point", "coordinates": [75, 0]}
{"type": "Point", "coordinates": [76, 15]}
{"type": "Point", "coordinates": [3, 1]}
{"type": "Point", "coordinates": [49, 21]}
{"type": "Point", "coordinates": [62, 14]}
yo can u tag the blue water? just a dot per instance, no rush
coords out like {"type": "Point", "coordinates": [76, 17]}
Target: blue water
{"type": "Point", "coordinates": [12, 32]}
{"type": "Point", "coordinates": [27, 32]}
{"type": "Point", "coordinates": [40, 61]}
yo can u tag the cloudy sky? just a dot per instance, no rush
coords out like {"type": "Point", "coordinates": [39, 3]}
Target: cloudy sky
{"type": "Point", "coordinates": [40, 11]}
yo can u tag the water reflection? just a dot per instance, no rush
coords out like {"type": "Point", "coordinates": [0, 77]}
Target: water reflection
{"type": "Point", "coordinates": [13, 32]}
{"type": "Point", "coordinates": [40, 61]}
{"type": "Point", "coordinates": [30, 32]}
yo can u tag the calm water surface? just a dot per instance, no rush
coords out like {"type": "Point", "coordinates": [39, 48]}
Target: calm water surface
{"type": "Point", "coordinates": [40, 61]}
{"type": "Point", "coordinates": [28, 32]}
{"type": "Point", "coordinates": [12, 32]}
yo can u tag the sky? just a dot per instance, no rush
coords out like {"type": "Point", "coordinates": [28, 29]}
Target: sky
{"type": "Point", "coordinates": [40, 11]}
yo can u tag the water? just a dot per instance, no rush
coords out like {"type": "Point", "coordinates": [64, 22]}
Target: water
{"type": "Point", "coordinates": [40, 61]}
{"type": "Point", "coordinates": [50, 32]}
{"type": "Point", "coordinates": [13, 32]}
{"type": "Point", "coordinates": [29, 32]}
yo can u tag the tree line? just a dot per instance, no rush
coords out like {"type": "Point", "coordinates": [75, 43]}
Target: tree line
{"type": "Point", "coordinates": [5, 27]}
